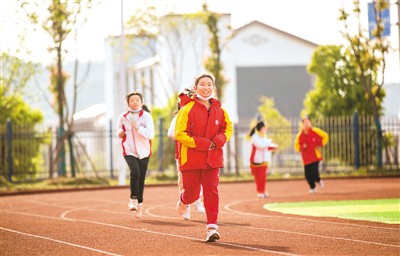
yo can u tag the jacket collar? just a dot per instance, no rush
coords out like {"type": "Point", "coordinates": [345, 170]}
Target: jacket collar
{"type": "Point", "coordinates": [214, 102]}
{"type": "Point", "coordinates": [128, 112]}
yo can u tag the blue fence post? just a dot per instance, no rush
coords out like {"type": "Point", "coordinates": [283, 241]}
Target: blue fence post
{"type": "Point", "coordinates": [111, 150]}
{"type": "Point", "coordinates": [160, 145]}
{"type": "Point", "coordinates": [62, 168]}
{"type": "Point", "coordinates": [9, 150]}
{"type": "Point", "coordinates": [356, 141]}
{"type": "Point", "coordinates": [379, 161]}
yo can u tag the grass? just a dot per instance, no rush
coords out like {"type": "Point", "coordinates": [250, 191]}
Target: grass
{"type": "Point", "coordinates": [378, 210]}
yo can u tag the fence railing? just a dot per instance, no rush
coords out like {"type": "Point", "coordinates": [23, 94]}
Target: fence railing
{"type": "Point", "coordinates": [28, 153]}
{"type": "Point", "coordinates": [352, 144]}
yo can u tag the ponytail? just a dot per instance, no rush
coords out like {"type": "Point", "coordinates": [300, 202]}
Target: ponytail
{"type": "Point", "coordinates": [252, 131]}
{"type": "Point", "coordinates": [145, 108]}
{"type": "Point", "coordinates": [258, 127]}
{"type": "Point", "coordinates": [189, 91]}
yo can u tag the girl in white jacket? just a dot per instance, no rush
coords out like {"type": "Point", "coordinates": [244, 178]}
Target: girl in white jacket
{"type": "Point", "coordinates": [136, 129]}
{"type": "Point", "coordinates": [260, 156]}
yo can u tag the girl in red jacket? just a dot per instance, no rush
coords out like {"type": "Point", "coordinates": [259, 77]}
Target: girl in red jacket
{"type": "Point", "coordinates": [135, 127]}
{"type": "Point", "coordinates": [184, 97]}
{"type": "Point", "coordinates": [309, 141]}
{"type": "Point", "coordinates": [260, 156]}
{"type": "Point", "coordinates": [202, 129]}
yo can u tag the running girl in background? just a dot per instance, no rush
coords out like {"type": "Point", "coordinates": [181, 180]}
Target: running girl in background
{"type": "Point", "coordinates": [184, 97]}
{"type": "Point", "coordinates": [260, 157]}
{"type": "Point", "coordinates": [202, 129]}
{"type": "Point", "coordinates": [136, 129]}
{"type": "Point", "coordinates": [309, 141]}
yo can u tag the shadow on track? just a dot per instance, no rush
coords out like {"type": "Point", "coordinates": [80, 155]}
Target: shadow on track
{"type": "Point", "coordinates": [252, 247]}
{"type": "Point", "coordinates": [166, 223]}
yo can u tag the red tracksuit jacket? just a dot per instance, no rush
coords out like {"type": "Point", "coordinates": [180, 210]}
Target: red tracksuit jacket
{"type": "Point", "coordinates": [315, 139]}
{"type": "Point", "coordinates": [196, 128]}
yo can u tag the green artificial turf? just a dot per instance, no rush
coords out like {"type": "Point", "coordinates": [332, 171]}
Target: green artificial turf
{"type": "Point", "coordinates": [378, 210]}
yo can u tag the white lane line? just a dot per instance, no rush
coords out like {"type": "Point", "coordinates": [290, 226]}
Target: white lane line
{"type": "Point", "coordinates": [296, 233]}
{"type": "Point", "coordinates": [149, 231]}
{"type": "Point", "coordinates": [322, 236]}
{"type": "Point", "coordinates": [59, 241]}
{"type": "Point", "coordinates": [59, 204]}
{"type": "Point", "coordinates": [148, 212]}
{"type": "Point", "coordinates": [33, 215]}
{"type": "Point", "coordinates": [180, 236]}
{"type": "Point", "coordinates": [228, 208]}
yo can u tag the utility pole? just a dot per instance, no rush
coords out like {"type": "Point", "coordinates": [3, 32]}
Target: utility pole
{"type": "Point", "coordinates": [398, 24]}
{"type": "Point", "coordinates": [122, 170]}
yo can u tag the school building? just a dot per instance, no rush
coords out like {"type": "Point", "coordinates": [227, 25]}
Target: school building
{"type": "Point", "coordinates": [259, 60]}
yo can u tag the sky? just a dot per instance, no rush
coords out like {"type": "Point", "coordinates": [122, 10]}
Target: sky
{"type": "Point", "coordinates": [313, 20]}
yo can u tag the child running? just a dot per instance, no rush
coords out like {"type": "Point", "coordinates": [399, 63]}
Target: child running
{"type": "Point", "coordinates": [136, 129]}
{"type": "Point", "coordinates": [309, 141]}
{"type": "Point", "coordinates": [202, 129]}
{"type": "Point", "coordinates": [183, 99]}
{"type": "Point", "coordinates": [260, 157]}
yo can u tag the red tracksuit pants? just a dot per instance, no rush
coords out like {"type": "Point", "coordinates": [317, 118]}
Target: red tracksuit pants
{"type": "Point", "coordinates": [260, 177]}
{"type": "Point", "coordinates": [209, 179]}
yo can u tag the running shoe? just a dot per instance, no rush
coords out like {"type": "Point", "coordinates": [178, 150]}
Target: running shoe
{"type": "Point", "coordinates": [200, 207]}
{"type": "Point", "coordinates": [186, 215]}
{"type": "Point", "coordinates": [312, 191]}
{"type": "Point", "coordinates": [133, 205]}
{"type": "Point", "coordinates": [181, 207]}
{"type": "Point", "coordinates": [212, 235]}
{"type": "Point", "coordinates": [263, 195]}
{"type": "Point", "coordinates": [139, 212]}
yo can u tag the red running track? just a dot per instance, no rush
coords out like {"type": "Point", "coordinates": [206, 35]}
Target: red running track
{"type": "Point", "coordinates": [98, 223]}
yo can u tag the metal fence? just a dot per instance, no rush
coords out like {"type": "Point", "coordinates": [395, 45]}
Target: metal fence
{"type": "Point", "coordinates": [28, 153]}
{"type": "Point", "coordinates": [352, 144]}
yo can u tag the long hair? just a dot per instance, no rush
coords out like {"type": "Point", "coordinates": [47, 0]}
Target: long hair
{"type": "Point", "coordinates": [258, 127]}
{"type": "Point", "coordinates": [144, 106]}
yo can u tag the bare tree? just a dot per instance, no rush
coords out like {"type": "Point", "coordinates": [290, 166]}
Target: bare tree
{"type": "Point", "coordinates": [62, 19]}
{"type": "Point", "coordinates": [178, 34]}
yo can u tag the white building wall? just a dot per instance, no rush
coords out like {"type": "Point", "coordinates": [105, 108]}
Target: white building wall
{"type": "Point", "coordinates": [256, 45]}
{"type": "Point", "coordinates": [177, 60]}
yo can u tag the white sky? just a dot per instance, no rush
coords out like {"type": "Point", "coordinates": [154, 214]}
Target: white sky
{"type": "Point", "coordinates": [313, 20]}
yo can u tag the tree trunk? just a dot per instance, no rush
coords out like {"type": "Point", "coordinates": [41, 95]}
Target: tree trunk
{"type": "Point", "coordinates": [60, 98]}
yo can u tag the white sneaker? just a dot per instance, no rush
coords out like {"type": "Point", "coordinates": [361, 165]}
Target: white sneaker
{"type": "Point", "coordinates": [212, 235]}
{"type": "Point", "coordinates": [312, 191]}
{"type": "Point", "coordinates": [139, 212]}
{"type": "Point", "coordinates": [200, 207]}
{"type": "Point", "coordinates": [321, 184]}
{"type": "Point", "coordinates": [181, 207]}
{"type": "Point", "coordinates": [133, 205]}
{"type": "Point", "coordinates": [186, 215]}
{"type": "Point", "coordinates": [263, 195]}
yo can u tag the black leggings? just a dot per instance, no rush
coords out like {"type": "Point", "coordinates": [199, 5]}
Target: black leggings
{"type": "Point", "coordinates": [312, 174]}
{"type": "Point", "coordinates": [138, 170]}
